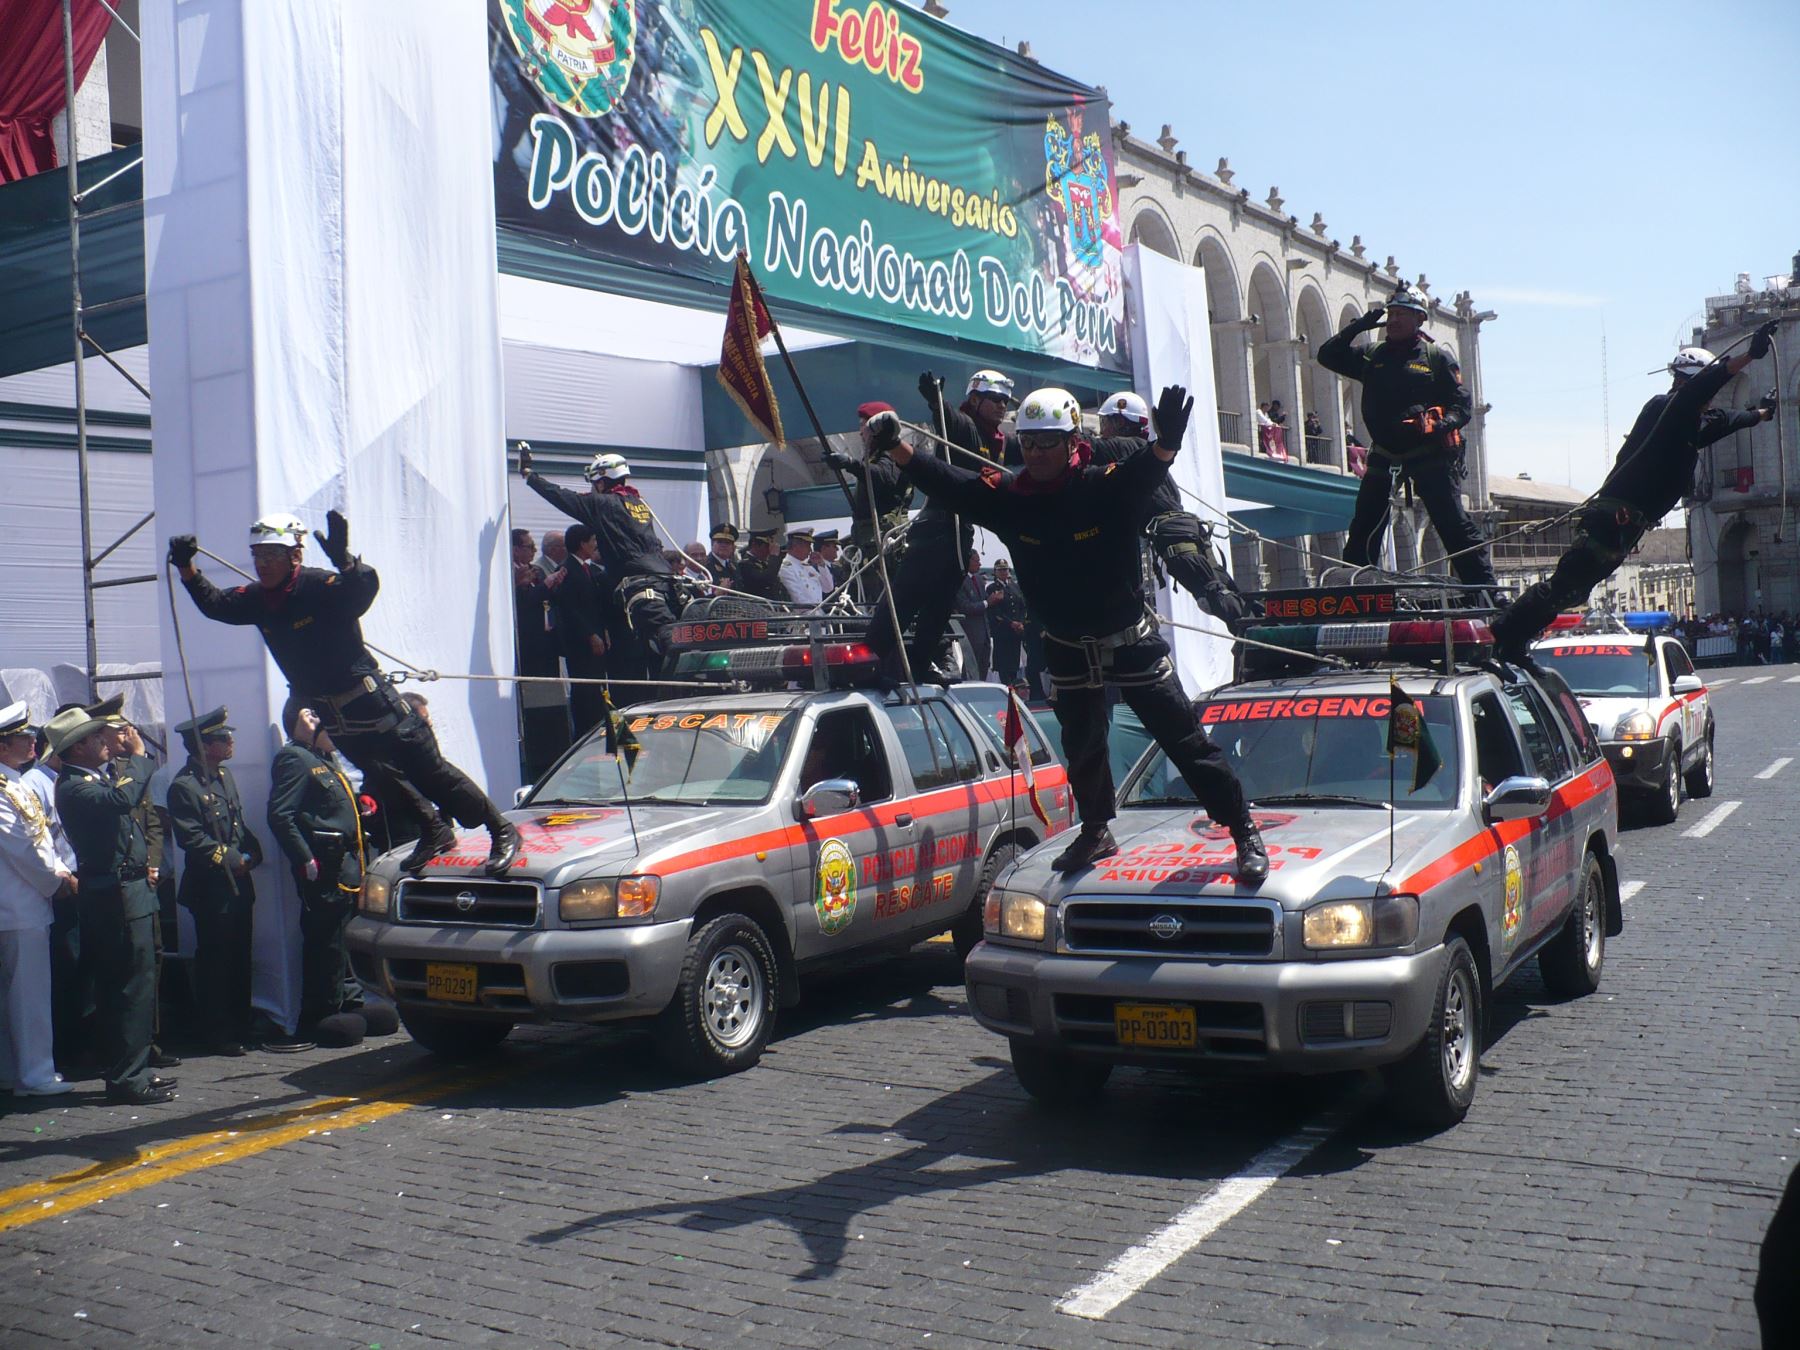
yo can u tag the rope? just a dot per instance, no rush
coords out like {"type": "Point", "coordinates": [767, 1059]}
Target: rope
{"type": "Point", "coordinates": [1321, 657]}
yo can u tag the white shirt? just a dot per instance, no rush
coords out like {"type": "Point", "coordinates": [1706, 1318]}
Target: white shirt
{"type": "Point", "coordinates": [41, 779]}
{"type": "Point", "coordinates": [30, 871]}
{"type": "Point", "coordinates": [802, 581]}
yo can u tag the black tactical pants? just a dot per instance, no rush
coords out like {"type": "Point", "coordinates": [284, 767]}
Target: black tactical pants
{"type": "Point", "coordinates": [1431, 477]}
{"type": "Point", "coordinates": [325, 912]}
{"type": "Point", "coordinates": [1185, 550]}
{"type": "Point", "coordinates": [1146, 681]}
{"type": "Point", "coordinates": [402, 766]}
{"type": "Point", "coordinates": [1008, 648]}
{"type": "Point", "coordinates": [71, 985]}
{"type": "Point", "coordinates": [1604, 538]}
{"type": "Point", "coordinates": [121, 955]}
{"type": "Point", "coordinates": [649, 607]}
{"type": "Point", "coordinates": [222, 965]}
{"type": "Point", "coordinates": [925, 585]}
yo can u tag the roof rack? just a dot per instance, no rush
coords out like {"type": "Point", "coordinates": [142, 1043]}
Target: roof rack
{"type": "Point", "coordinates": [1409, 621]}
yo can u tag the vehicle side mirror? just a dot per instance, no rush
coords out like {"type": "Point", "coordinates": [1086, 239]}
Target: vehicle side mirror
{"type": "Point", "coordinates": [829, 797]}
{"type": "Point", "coordinates": [1517, 798]}
{"type": "Point", "coordinates": [521, 794]}
{"type": "Point", "coordinates": [1686, 684]}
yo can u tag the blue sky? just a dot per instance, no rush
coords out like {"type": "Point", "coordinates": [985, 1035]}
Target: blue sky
{"type": "Point", "coordinates": [1575, 165]}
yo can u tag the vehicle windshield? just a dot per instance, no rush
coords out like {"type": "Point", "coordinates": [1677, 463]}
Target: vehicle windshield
{"type": "Point", "coordinates": [1330, 750]}
{"type": "Point", "coordinates": [1601, 668]}
{"type": "Point", "coordinates": [699, 757]}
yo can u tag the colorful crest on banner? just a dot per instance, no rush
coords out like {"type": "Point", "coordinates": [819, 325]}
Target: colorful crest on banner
{"type": "Point", "coordinates": [1076, 177]}
{"type": "Point", "coordinates": [579, 52]}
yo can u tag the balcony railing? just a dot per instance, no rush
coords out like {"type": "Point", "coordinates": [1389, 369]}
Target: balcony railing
{"type": "Point", "coordinates": [1318, 450]}
{"type": "Point", "coordinates": [1229, 423]}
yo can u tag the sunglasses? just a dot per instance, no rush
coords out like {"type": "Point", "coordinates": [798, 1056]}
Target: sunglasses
{"type": "Point", "coordinates": [1043, 440]}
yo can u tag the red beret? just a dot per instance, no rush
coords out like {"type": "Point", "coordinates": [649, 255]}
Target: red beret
{"type": "Point", "coordinates": [870, 409]}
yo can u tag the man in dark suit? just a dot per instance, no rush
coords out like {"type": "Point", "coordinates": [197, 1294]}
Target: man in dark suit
{"type": "Point", "coordinates": [96, 801]}
{"type": "Point", "coordinates": [543, 707]}
{"type": "Point", "coordinates": [580, 599]}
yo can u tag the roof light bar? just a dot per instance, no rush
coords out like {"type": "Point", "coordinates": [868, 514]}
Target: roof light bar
{"type": "Point", "coordinates": [847, 663]}
{"type": "Point", "coordinates": [1423, 640]}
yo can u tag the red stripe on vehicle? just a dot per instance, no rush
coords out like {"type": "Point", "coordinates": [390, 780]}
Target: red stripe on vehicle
{"type": "Point", "coordinates": [1492, 840]}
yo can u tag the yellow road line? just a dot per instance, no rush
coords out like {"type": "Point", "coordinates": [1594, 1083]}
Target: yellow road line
{"type": "Point", "coordinates": [37, 1201]}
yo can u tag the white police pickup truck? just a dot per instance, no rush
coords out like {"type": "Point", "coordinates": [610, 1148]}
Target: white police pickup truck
{"type": "Point", "coordinates": [1393, 907]}
{"type": "Point", "coordinates": [751, 838]}
{"type": "Point", "coordinates": [1648, 706]}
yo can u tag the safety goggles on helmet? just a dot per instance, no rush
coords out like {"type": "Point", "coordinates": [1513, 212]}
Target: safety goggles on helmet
{"type": "Point", "coordinates": [1408, 296]}
{"type": "Point", "coordinates": [1048, 410]}
{"type": "Point", "coordinates": [1127, 406]}
{"type": "Point", "coordinates": [280, 529]}
{"type": "Point", "coordinates": [608, 467]}
{"type": "Point", "coordinates": [1690, 361]}
{"type": "Point", "coordinates": [991, 382]}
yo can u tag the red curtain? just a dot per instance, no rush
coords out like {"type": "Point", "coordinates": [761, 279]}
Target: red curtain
{"type": "Point", "coordinates": [31, 76]}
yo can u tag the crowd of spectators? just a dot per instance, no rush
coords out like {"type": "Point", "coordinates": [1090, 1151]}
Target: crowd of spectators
{"type": "Point", "coordinates": [1759, 639]}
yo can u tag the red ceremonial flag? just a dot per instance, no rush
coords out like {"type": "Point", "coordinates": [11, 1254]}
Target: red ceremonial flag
{"type": "Point", "coordinates": [741, 368]}
{"type": "Point", "coordinates": [1020, 753]}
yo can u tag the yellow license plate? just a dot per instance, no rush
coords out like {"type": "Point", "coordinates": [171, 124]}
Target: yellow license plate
{"type": "Point", "coordinates": [1154, 1026]}
{"type": "Point", "coordinates": [456, 984]}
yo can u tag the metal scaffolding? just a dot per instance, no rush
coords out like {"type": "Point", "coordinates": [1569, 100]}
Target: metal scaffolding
{"type": "Point", "coordinates": [82, 341]}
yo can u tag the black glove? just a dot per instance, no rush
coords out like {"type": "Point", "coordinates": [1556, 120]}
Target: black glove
{"type": "Point", "coordinates": [182, 548]}
{"type": "Point", "coordinates": [931, 388]}
{"type": "Point", "coordinates": [1764, 340]}
{"type": "Point", "coordinates": [524, 458]}
{"type": "Point", "coordinates": [836, 458]}
{"type": "Point", "coordinates": [1370, 318]}
{"type": "Point", "coordinates": [337, 543]}
{"type": "Point", "coordinates": [1173, 408]}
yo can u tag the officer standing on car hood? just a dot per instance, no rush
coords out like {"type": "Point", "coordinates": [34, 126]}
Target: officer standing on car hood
{"type": "Point", "coordinates": [1074, 538]}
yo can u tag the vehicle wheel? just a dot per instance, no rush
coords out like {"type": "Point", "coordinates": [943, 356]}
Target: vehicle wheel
{"type": "Point", "coordinates": [1666, 804]}
{"type": "Point", "coordinates": [1700, 777]}
{"type": "Point", "coordinates": [724, 1007]}
{"type": "Point", "coordinates": [1570, 962]}
{"type": "Point", "coordinates": [1057, 1078]}
{"type": "Point", "coordinates": [966, 931]}
{"type": "Point", "coordinates": [1435, 1085]}
{"type": "Point", "coordinates": [454, 1037]}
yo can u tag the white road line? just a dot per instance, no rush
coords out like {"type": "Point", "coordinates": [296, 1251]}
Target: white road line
{"type": "Point", "coordinates": [1629, 889]}
{"type": "Point", "coordinates": [1136, 1268]}
{"type": "Point", "coordinates": [1776, 767]}
{"type": "Point", "coordinates": [1760, 679]}
{"type": "Point", "coordinates": [1792, 679]}
{"type": "Point", "coordinates": [1711, 821]}
{"type": "Point", "coordinates": [1727, 680]}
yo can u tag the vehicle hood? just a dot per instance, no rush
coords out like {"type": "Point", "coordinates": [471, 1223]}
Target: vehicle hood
{"type": "Point", "coordinates": [1604, 711]}
{"type": "Point", "coordinates": [558, 842]}
{"type": "Point", "coordinates": [1314, 853]}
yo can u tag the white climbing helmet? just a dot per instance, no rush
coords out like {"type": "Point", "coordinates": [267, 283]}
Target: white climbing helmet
{"type": "Point", "coordinates": [279, 527]}
{"type": "Point", "coordinates": [1690, 361]}
{"type": "Point", "coordinates": [609, 466]}
{"type": "Point", "coordinates": [990, 382]}
{"type": "Point", "coordinates": [1049, 410]}
{"type": "Point", "coordinates": [1408, 296]}
{"type": "Point", "coordinates": [1128, 406]}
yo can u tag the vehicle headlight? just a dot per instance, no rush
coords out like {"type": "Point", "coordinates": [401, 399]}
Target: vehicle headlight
{"type": "Point", "coordinates": [1637, 726]}
{"type": "Point", "coordinates": [1385, 921]}
{"type": "Point", "coordinates": [638, 896]}
{"type": "Point", "coordinates": [627, 898]}
{"type": "Point", "coordinates": [374, 896]}
{"type": "Point", "coordinates": [1014, 914]}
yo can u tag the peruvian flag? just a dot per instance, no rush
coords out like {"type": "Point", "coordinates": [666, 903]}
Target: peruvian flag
{"type": "Point", "coordinates": [1020, 752]}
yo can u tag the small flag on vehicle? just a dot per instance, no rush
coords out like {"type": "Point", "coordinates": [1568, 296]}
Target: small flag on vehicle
{"type": "Point", "coordinates": [620, 739]}
{"type": "Point", "coordinates": [1406, 730]}
{"type": "Point", "coordinates": [1019, 751]}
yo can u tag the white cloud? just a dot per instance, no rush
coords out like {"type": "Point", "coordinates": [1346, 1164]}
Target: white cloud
{"type": "Point", "coordinates": [1527, 295]}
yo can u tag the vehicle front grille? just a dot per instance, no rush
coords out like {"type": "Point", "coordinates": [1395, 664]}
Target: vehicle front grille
{"type": "Point", "coordinates": [1172, 927]}
{"type": "Point", "coordinates": [1226, 1030]}
{"type": "Point", "coordinates": [462, 900]}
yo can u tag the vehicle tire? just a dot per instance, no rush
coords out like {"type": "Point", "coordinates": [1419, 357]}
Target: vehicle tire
{"type": "Point", "coordinates": [1571, 961]}
{"type": "Point", "coordinates": [1665, 805]}
{"type": "Point", "coordinates": [454, 1037]}
{"type": "Point", "coordinates": [723, 1011]}
{"type": "Point", "coordinates": [1700, 777]}
{"type": "Point", "coordinates": [1435, 1085]}
{"type": "Point", "coordinates": [1057, 1078]}
{"type": "Point", "coordinates": [966, 931]}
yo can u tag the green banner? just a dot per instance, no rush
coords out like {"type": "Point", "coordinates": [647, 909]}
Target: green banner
{"type": "Point", "coordinates": [869, 160]}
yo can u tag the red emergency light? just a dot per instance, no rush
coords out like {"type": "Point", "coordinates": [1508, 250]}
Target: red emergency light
{"type": "Point", "coordinates": [846, 663]}
{"type": "Point", "coordinates": [1409, 640]}
{"type": "Point", "coordinates": [1565, 623]}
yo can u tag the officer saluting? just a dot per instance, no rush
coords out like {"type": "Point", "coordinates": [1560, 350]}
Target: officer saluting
{"type": "Point", "coordinates": [314, 820]}
{"type": "Point", "coordinates": [218, 853]}
{"type": "Point", "coordinates": [759, 570]}
{"type": "Point", "coordinates": [310, 620]}
{"type": "Point", "coordinates": [1074, 535]}
{"type": "Point", "coordinates": [96, 800]}
{"type": "Point", "coordinates": [1415, 404]}
{"type": "Point", "coordinates": [722, 563]}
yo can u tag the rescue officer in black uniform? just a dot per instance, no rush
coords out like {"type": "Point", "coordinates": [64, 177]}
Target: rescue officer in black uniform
{"type": "Point", "coordinates": [218, 852]}
{"type": "Point", "coordinates": [1074, 538]}
{"type": "Point", "coordinates": [96, 796]}
{"type": "Point", "coordinates": [879, 501]}
{"type": "Point", "coordinates": [646, 592]}
{"type": "Point", "coordinates": [313, 819]}
{"type": "Point", "coordinates": [1654, 471]}
{"type": "Point", "coordinates": [1180, 540]}
{"type": "Point", "coordinates": [975, 423]}
{"type": "Point", "coordinates": [759, 570]}
{"type": "Point", "coordinates": [722, 561]}
{"type": "Point", "coordinates": [310, 620]}
{"type": "Point", "coordinates": [1415, 405]}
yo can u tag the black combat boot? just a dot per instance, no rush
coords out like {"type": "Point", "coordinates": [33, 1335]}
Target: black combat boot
{"type": "Point", "coordinates": [1091, 844]}
{"type": "Point", "coordinates": [438, 838]}
{"type": "Point", "coordinates": [1252, 858]}
{"type": "Point", "coordinates": [505, 849]}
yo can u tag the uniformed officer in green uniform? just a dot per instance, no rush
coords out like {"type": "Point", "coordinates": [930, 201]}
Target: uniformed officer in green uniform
{"type": "Point", "coordinates": [218, 853]}
{"type": "Point", "coordinates": [314, 821]}
{"type": "Point", "coordinates": [759, 570]}
{"type": "Point", "coordinates": [96, 796]}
